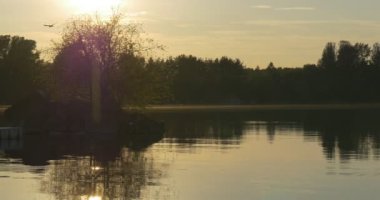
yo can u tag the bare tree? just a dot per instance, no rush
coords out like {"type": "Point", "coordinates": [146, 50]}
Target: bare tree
{"type": "Point", "coordinates": [102, 44]}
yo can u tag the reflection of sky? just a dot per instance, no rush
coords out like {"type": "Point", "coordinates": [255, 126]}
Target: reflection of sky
{"type": "Point", "coordinates": [287, 32]}
{"type": "Point", "coordinates": [292, 166]}
{"type": "Point", "coordinates": [20, 186]}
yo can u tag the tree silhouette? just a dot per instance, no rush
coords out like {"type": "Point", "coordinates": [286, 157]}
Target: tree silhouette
{"type": "Point", "coordinates": [363, 54]}
{"type": "Point", "coordinates": [19, 68]}
{"type": "Point", "coordinates": [375, 56]}
{"type": "Point", "coordinates": [353, 56]}
{"type": "Point", "coordinates": [348, 74]}
{"type": "Point", "coordinates": [271, 66]}
{"type": "Point", "coordinates": [328, 59]}
{"type": "Point", "coordinates": [73, 74]}
{"type": "Point", "coordinates": [102, 45]}
{"type": "Point", "coordinates": [347, 55]}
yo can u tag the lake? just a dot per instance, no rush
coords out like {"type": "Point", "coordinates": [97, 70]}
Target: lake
{"type": "Point", "coordinates": [262, 155]}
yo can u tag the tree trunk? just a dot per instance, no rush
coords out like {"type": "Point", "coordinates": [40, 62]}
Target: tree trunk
{"type": "Point", "coordinates": [96, 93]}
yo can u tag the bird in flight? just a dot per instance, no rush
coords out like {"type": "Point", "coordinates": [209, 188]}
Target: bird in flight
{"type": "Point", "coordinates": [49, 25]}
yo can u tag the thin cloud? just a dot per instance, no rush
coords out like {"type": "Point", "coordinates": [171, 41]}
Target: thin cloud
{"type": "Point", "coordinates": [367, 23]}
{"type": "Point", "coordinates": [285, 22]}
{"type": "Point", "coordinates": [296, 8]}
{"type": "Point", "coordinates": [262, 7]}
{"type": "Point", "coordinates": [137, 14]}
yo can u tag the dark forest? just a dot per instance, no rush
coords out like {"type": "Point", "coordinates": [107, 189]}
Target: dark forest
{"type": "Point", "coordinates": [345, 73]}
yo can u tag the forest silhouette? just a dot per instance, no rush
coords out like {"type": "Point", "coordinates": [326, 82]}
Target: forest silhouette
{"type": "Point", "coordinates": [345, 73]}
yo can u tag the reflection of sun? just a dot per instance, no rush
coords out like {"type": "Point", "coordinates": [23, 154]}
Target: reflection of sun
{"type": "Point", "coordinates": [91, 197]}
{"type": "Point", "coordinates": [95, 198]}
{"type": "Point", "coordinates": [91, 6]}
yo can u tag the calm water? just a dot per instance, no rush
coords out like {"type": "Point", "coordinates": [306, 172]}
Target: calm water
{"type": "Point", "coordinates": [259, 155]}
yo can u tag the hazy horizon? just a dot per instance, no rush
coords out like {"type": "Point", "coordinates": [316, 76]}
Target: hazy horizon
{"type": "Point", "coordinates": [286, 32]}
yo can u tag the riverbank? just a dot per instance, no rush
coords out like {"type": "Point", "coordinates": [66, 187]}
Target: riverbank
{"type": "Point", "coordinates": [182, 108]}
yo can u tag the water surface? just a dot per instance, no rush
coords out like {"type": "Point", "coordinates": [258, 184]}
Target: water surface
{"type": "Point", "coordinates": [208, 155]}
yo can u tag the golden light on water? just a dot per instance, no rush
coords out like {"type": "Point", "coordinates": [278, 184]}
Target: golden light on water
{"type": "Point", "coordinates": [102, 7]}
{"type": "Point", "coordinates": [95, 198]}
{"type": "Point", "coordinates": [96, 168]}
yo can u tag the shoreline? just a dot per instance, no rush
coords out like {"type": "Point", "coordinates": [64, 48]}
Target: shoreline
{"type": "Point", "coordinates": [258, 107]}
{"type": "Point", "coordinates": [261, 107]}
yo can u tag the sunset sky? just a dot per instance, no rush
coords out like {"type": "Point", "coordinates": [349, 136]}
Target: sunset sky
{"type": "Point", "coordinates": [287, 32]}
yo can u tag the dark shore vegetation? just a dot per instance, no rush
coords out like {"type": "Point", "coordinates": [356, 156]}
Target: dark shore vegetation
{"type": "Point", "coordinates": [257, 107]}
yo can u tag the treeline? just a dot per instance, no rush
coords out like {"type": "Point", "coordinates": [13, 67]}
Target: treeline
{"type": "Point", "coordinates": [346, 73]}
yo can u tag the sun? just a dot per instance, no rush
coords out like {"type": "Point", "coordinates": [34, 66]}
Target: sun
{"type": "Point", "coordinates": [91, 6]}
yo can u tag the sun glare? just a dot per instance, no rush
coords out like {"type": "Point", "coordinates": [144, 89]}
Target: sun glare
{"type": "Point", "coordinates": [91, 6]}
{"type": "Point", "coordinates": [95, 198]}
{"type": "Point", "coordinates": [91, 198]}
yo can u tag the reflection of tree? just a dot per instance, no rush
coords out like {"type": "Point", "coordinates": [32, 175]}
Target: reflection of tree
{"type": "Point", "coordinates": [271, 131]}
{"type": "Point", "coordinates": [202, 128]}
{"type": "Point", "coordinates": [82, 177]}
{"type": "Point", "coordinates": [350, 134]}
{"type": "Point", "coordinates": [349, 144]}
